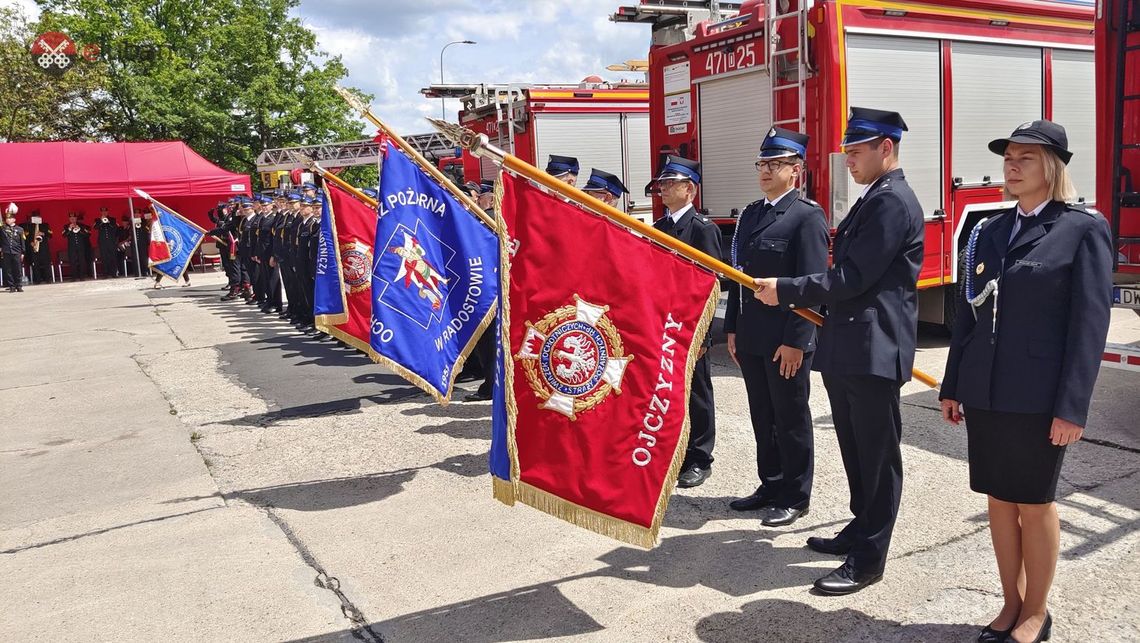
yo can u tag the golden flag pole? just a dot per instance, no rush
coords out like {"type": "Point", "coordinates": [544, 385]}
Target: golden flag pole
{"type": "Point", "coordinates": [418, 158]}
{"type": "Point", "coordinates": [479, 145]}
{"type": "Point", "coordinates": [332, 178]}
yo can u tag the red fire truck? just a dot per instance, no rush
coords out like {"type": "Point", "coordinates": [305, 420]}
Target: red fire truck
{"type": "Point", "coordinates": [960, 73]}
{"type": "Point", "coordinates": [604, 126]}
{"type": "Point", "coordinates": [1118, 166]}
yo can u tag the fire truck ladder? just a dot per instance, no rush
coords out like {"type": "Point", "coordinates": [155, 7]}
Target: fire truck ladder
{"type": "Point", "coordinates": [1125, 194]}
{"type": "Point", "coordinates": [784, 60]}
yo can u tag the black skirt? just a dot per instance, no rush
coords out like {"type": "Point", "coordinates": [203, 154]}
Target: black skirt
{"type": "Point", "coordinates": [1011, 457]}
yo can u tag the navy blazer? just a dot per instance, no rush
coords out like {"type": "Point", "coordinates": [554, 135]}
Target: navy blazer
{"type": "Point", "coordinates": [697, 231]}
{"type": "Point", "coordinates": [871, 288]}
{"type": "Point", "coordinates": [1053, 306]}
{"type": "Point", "coordinates": [790, 239]}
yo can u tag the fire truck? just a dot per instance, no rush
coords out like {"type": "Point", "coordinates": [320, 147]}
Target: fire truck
{"type": "Point", "coordinates": [1118, 131]}
{"type": "Point", "coordinates": [960, 73]}
{"type": "Point", "coordinates": [604, 126]}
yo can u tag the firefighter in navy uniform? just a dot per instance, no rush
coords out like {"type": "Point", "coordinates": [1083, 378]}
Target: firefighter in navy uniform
{"type": "Point", "coordinates": [78, 246]}
{"type": "Point", "coordinates": [677, 184]}
{"type": "Point", "coordinates": [605, 187]}
{"type": "Point", "coordinates": [271, 276]}
{"type": "Point", "coordinates": [251, 238]}
{"type": "Point", "coordinates": [866, 347]}
{"type": "Point", "coordinates": [293, 240]}
{"type": "Point", "coordinates": [782, 235]}
{"type": "Point", "coordinates": [1023, 361]}
{"type": "Point", "coordinates": [563, 168]}
{"type": "Point", "coordinates": [38, 248]}
{"type": "Point", "coordinates": [12, 240]}
{"type": "Point", "coordinates": [285, 216]}
{"type": "Point", "coordinates": [107, 235]}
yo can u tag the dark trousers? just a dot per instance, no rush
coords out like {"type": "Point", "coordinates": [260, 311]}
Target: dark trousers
{"type": "Point", "coordinates": [77, 261]}
{"type": "Point", "coordinates": [233, 279]}
{"type": "Point", "coordinates": [272, 285]}
{"type": "Point", "coordinates": [109, 257]}
{"type": "Point", "coordinates": [702, 418]}
{"type": "Point", "coordinates": [307, 287]}
{"type": "Point", "coordinates": [781, 423]}
{"type": "Point", "coordinates": [253, 269]}
{"type": "Point", "coordinates": [868, 425]}
{"type": "Point", "coordinates": [41, 267]}
{"type": "Point", "coordinates": [13, 271]}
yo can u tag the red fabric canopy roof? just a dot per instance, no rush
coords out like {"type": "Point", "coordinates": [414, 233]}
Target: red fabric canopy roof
{"type": "Point", "coordinates": [71, 171]}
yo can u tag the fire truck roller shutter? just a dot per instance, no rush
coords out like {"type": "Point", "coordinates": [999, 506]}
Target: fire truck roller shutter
{"type": "Point", "coordinates": [638, 164]}
{"type": "Point", "coordinates": [1074, 107]}
{"type": "Point", "coordinates": [996, 88]}
{"type": "Point", "coordinates": [735, 114]}
{"type": "Point", "coordinates": [593, 139]}
{"type": "Point", "coordinates": [878, 70]}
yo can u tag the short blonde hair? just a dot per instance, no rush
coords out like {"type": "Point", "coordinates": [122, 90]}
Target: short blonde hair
{"type": "Point", "coordinates": [1057, 176]}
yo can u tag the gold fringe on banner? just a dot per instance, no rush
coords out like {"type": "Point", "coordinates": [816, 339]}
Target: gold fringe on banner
{"type": "Point", "coordinates": [546, 502]}
{"type": "Point", "coordinates": [506, 492]}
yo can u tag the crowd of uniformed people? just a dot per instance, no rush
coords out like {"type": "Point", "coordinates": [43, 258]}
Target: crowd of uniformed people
{"type": "Point", "coordinates": [269, 246]}
{"type": "Point", "coordinates": [1032, 321]}
{"type": "Point", "coordinates": [1022, 364]}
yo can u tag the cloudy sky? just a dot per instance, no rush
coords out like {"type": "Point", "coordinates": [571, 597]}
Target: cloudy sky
{"type": "Point", "coordinates": [391, 47]}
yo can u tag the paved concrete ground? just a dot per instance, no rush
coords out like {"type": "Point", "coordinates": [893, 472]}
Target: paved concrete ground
{"type": "Point", "coordinates": [178, 468]}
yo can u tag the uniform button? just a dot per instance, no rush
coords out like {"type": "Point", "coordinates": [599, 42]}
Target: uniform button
{"type": "Point", "coordinates": [791, 306]}
{"type": "Point", "coordinates": [850, 319]}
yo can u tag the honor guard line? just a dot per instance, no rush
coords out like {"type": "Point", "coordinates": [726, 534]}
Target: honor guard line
{"type": "Point", "coordinates": [479, 145]}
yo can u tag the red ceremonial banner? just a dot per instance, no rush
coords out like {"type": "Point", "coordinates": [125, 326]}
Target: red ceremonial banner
{"type": "Point", "coordinates": [604, 328]}
{"type": "Point", "coordinates": [354, 232]}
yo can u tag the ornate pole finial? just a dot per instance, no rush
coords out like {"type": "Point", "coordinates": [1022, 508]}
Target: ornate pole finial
{"type": "Point", "coordinates": [351, 99]}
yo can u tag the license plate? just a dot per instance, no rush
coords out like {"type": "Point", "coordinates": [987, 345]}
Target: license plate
{"type": "Point", "coordinates": [1126, 296]}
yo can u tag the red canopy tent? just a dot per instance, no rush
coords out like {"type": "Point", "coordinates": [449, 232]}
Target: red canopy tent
{"type": "Point", "coordinates": [57, 178]}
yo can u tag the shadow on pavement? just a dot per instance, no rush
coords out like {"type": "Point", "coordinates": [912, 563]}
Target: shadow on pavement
{"type": "Point", "coordinates": [792, 622]}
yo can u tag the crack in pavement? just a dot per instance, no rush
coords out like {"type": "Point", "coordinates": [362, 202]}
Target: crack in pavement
{"type": "Point", "coordinates": [97, 532]}
{"type": "Point", "coordinates": [361, 629]}
{"type": "Point", "coordinates": [949, 541]}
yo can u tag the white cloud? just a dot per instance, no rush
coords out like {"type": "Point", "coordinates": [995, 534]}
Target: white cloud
{"type": "Point", "coordinates": [394, 51]}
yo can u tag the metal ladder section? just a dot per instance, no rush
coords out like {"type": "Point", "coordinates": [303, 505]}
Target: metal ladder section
{"type": "Point", "coordinates": [1125, 191]}
{"type": "Point", "coordinates": [505, 100]}
{"type": "Point", "coordinates": [782, 59]}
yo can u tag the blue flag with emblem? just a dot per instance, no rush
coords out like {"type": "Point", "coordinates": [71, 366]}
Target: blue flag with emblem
{"type": "Point", "coordinates": [181, 235]}
{"type": "Point", "coordinates": [434, 278]}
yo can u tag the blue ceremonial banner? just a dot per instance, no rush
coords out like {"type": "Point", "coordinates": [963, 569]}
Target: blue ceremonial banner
{"type": "Point", "coordinates": [182, 237]}
{"type": "Point", "coordinates": [500, 456]}
{"type": "Point", "coordinates": [434, 278]}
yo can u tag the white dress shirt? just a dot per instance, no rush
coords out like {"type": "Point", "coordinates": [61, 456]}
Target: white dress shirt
{"type": "Point", "coordinates": [1021, 213]}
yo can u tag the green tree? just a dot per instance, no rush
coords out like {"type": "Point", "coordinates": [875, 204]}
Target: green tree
{"type": "Point", "coordinates": [36, 106]}
{"type": "Point", "coordinates": [229, 77]}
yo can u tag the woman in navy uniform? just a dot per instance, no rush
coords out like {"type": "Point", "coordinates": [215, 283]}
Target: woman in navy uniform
{"type": "Point", "coordinates": [1024, 359]}
{"type": "Point", "coordinates": [677, 184]}
{"type": "Point", "coordinates": [783, 235]}
{"type": "Point", "coordinates": [866, 347]}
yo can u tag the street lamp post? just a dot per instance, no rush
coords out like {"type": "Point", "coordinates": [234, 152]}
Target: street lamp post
{"type": "Point", "coordinates": [442, 100]}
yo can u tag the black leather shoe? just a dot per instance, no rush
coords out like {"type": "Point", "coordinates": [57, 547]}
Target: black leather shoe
{"type": "Point", "coordinates": [694, 476]}
{"type": "Point", "coordinates": [1043, 634]}
{"type": "Point", "coordinates": [782, 516]}
{"type": "Point", "coordinates": [758, 500]}
{"type": "Point", "coordinates": [477, 397]}
{"type": "Point", "coordinates": [990, 635]}
{"type": "Point", "coordinates": [846, 580]}
{"type": "Point", "coordinates": [838, 546]}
